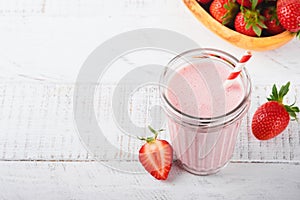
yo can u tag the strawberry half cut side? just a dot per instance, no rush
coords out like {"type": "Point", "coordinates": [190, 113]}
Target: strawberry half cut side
{"type": "Point", "coordinates": [156, 156]}
{"type": "Point", "coordinates": [271, 118]}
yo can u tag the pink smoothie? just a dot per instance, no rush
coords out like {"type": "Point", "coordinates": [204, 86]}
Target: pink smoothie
{"type": "Point", "coordinates": [197, 90]}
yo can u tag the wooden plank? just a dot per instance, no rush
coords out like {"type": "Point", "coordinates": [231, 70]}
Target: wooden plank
{"type": "Point", "coordinates": [37, 124]}
{"type": "Point", "coordinates": [49, 40]}
{"type": "Point", "coordinates": [90, 180]}
{"type": "Point", "coordinates": [146, 13]}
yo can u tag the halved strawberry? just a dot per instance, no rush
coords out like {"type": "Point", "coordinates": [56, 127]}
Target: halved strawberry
{"type": "Point", "coordinates": [271, 118]}
{"type": "Point", "coordinates": [156, 156]}
{"type": "Point", "coordinates": [224, 11]}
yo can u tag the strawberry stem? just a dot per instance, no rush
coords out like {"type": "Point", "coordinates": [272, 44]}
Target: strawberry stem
{"type": "Point", "coordinates": [153, 131]}
{"type": "Point", "coordinates": [254, 20]}
{"type": "Point", "coordinates": [232, 9]}
{"type": "Point", "coordinates": [151, 139]}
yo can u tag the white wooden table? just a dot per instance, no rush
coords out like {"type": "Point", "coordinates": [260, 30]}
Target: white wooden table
{"type": "Point", "coordinates": [43, 45]}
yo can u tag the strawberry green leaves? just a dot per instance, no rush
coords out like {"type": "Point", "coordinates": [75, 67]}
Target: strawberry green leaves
{"type": "Point", "coordinates": [254, 20]}
{"type": "Point", "coordinates": [278, 96]}
{"type": "Point", "coordinates": [275, 96]}
{"type": "Point", "coordinates": [292, 110]}
{"type": "Point", "coordinates": [232, 9]}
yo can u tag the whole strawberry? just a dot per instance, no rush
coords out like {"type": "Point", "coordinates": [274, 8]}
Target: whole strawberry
{"type": "Point", "coordinates": [271, 118]}
{"type": "Point", "coordinates": [249, 22]}
{"type": "Point", "coordinates": [248, 3]}
{"type": "Point", "coordinates": [223, 11]}
{"type": "Point", "coordinates": [271, 21]}
{"type": "Point", "coordinates": [156, 156]}
{"type": "Point", "coordinates": [288, 12]}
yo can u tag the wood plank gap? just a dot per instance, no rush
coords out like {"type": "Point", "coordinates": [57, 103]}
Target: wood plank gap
{"type": "Point", "coordinates": [128, 161]}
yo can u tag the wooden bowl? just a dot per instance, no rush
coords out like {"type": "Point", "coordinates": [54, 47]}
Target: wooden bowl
{"type": "Point", "coordinates": [235, 38]}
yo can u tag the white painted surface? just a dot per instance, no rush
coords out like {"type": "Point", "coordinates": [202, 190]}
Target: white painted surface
{"type": "Point", "coordinates": [43, 45]}
{"type": "Point", "coordinates": [88, 180]}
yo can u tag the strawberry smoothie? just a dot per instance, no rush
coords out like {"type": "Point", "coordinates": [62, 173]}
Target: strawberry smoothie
{"type": "Point", "coordinates": [204, 117]}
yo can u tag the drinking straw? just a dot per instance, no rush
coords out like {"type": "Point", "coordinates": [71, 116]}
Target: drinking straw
{"type": "Point", "coordinates": [238, 68]}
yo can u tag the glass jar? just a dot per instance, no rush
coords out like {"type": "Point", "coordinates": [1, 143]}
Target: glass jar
{"type": "Point", "coordinates": [204, 138]}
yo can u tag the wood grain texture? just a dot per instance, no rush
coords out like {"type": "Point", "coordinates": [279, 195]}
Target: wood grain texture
{"type": "Point", "coordinates": [235, 38]}
{"type": "Point", "coordinates": [43, 45]}
{"type": "Point", "coordinates": [90, 180]}
{"type": "Point", "coordinates": [37, 123]}
{"type": "Point", "coordinates": [52, 45]}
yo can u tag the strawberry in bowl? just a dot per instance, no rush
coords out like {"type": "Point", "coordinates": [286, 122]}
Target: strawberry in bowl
{"type": "Point", "coordinates": [271, 21]}
{"type": "Point", "coordinates": [288, 12]}
{"type": "Point", "coordinates": [223, 11]}
{"type": "Point", "coordinates": [249, 22]}
{"type": "Point", "coordinates": [204, 2]}
{"type": "Point", "coordinates": [249, 3]}
{"type": "Point", "coordinates": [248, 27]}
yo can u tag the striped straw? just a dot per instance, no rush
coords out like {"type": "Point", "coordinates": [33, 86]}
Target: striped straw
{"type": "Point", "coordinates": [238, 68]}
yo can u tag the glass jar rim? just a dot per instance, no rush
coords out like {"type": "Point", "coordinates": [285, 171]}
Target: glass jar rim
{"type": "Point", "coordinates": [230, 116]}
